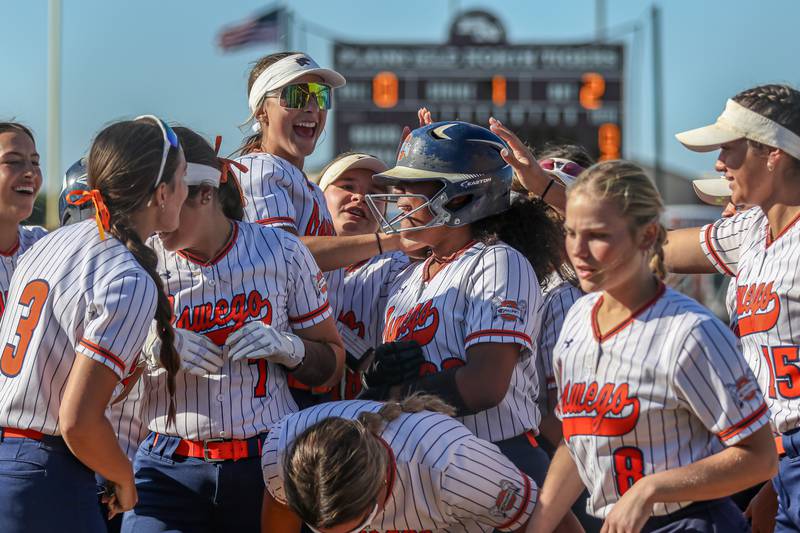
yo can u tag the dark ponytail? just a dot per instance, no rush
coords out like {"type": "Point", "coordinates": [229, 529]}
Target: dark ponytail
{"type": "Point", "coordinates": [123, 165]}
{"type": "Point", "coordinates": [198, 150]}
{"type": "Point", "coordinates": [533, 229]}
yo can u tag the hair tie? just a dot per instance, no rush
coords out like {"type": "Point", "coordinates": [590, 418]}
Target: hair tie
{"type": "Point", "coordinates": [226, 165]}
{"type": "Point", "coordinates": [101, 214]}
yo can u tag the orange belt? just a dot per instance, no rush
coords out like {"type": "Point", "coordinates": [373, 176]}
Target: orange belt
{"type": "Point", "coordinates": [532, 439]}
{"type": "Point", "coordinates": [294, 384]}
{"type": "Point", "coordinates": [22, 433]}
{"type": "Point", "coordinates": [215, 450]}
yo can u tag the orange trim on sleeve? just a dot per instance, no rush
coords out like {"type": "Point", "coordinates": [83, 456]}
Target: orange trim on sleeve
{"type": "Point", "coordinates": [497, 333]}
{"type": "Point", "coordinates": [525, 499]}
{"type": "Point", "coordinates": [311, 315]}
{"type": "Point", "coordinates": [734, 430]}
{"type": "Point", "coordinates": [99, 350]}
{"type": "Point", "coordinates": [713, 252]}
{"type": "Point", "coordinates": [276, 220]}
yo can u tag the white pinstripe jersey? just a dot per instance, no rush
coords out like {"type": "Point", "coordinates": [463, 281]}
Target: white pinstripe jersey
{"type": "Point", "coordinates": [277, 193]}
{"type": "Point", "coordinates": [363, 300]}
{"type": "Point", "coordinates": [767, 303]}
{"type": "Point", "coordinates": [445, 478]}
{"type": "Point", "coordinates": [27, 235]}
{"type": "Point", "coordinates": [359, 309]}
{"type": "Point", "coordinates": [663, 389]}
{"type": "Point", "coordinates": [556, 305]}
{"type": "Point", "coordinates": [261, 274]}
{"type": "Point", "coordinates": [126, 420]}
{"type": "Point", "coordinates": [71, 293]}
{"type": "Point", "coordinates": [484, 294]}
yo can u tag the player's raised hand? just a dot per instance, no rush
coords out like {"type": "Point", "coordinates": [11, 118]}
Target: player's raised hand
{"type": "Point", "coordinates": [424, 116]}
{"type": "Point", "coordinates": [256, 340]}
{"type": "Point", "coordinates": [520, 157]}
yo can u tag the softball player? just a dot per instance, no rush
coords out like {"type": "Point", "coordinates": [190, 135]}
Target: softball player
{"type": "Point", "coordinates": [250, 307]}
{"type": "Point", "coordinates": [416, 469]}
{"type": "Point", "coordinates": [345, 182]}
{"type": "Point", "coordinates": [758, 135]}
{"type": "Point", "coordinates": [472, 306]}
{"type": "Point", "coordinates": [289, 95]}
{"type": "Point", "coordinates": [658, 408]}
{"type": "Point", "coordinates": [21, 178]}
{"type": "Point", "coordinates": [77, 314]}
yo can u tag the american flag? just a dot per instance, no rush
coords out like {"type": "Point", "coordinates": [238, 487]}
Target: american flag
{"type": "Point", "coordinates": [263, 28]}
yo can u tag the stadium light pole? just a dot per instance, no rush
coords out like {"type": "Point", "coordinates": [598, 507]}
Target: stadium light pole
{"type": "Point", "coordinates": [600, 20]}
{"type": "Point", "coordinates": [53, 112]}
{"type": "Point", "coordinates": [658, 103]}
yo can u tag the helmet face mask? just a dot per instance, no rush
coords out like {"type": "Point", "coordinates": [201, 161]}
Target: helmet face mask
{"type": "Point", "coordinates": [390, 218]}
{"type": "Point", "coordinates": [464, 159]}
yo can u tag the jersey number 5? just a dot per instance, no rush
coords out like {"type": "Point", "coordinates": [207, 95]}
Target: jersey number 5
{"type": "Point", "coordinates": [628, 467]}
{"type": "Point", "coordinates": [33, 297]}
{"type": "Point", "coordinates": [782, 365]}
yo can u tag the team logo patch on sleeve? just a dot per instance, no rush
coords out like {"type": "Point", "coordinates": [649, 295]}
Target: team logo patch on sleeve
{"type": "Point", "coordinates": [510, 310]}
{"type": "Point", "coordinates": [506, 500]}
{"type": "Point", "coordinates": [320, 283]}
{"type": "Point", "coordinates": [744, 390]}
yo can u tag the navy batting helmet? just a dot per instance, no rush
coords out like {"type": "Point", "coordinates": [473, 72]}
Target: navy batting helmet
{"type": "Point", "coordinates": [75, 179]}
{"type": "Point", "coordinates": [465, 159]}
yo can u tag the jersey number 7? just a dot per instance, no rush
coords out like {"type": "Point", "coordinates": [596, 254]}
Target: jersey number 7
{"type": "Point", "coordinates": [33, 297]}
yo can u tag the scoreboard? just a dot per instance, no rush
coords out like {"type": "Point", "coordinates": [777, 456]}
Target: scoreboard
{"type": "Point", "coordinates": [543, 92]}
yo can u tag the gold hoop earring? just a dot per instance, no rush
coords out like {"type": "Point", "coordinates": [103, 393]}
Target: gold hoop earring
{"type": "Point", "coordinates": [770, 166]}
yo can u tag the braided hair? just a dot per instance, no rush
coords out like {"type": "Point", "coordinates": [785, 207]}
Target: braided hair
{"type": "Point", "coordinates": [124, 159]}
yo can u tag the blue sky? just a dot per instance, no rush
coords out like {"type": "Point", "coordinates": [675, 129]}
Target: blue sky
{"type": "Point", "coordinates": [121, 59]}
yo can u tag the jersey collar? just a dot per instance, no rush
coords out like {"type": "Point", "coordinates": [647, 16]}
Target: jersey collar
{"type": "Point", "coordinates": [186, 254]}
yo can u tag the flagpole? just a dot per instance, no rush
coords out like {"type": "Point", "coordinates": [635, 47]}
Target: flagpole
{"type": "Point", "coordinates": [53, 112]}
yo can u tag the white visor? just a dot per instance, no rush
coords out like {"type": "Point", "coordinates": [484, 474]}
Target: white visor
{"type": "Point", "coordinates": [350, 162]}
{"type": "Point", "coordinates": [713, 191]}
{"type": "Point", "coordinates": [284, 72]}
{"type": "Point", "coordinates": [197, 174]}
{"type": "Point", "coordinates": [738, 122]}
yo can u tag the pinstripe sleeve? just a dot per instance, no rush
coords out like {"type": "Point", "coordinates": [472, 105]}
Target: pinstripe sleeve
{"type": "Point", "coordinates": [556, 305]}
{"type": "Point", "coordinates": [722, 240]}
{"type": "Point", "coordinates": [266, 191]}
{"type": "Point", "coordinates": [713, 380]}
{"type": "Point", "coordinates": [117, 321]}
{"type": "Point", "coordinates": [482, 484]}
{"type": "Point", "coordinates": [271, 463]}
{"type": "Point", "coordinates": [308, 297]}
{"type": "Point", "coordinates": [503, 301]}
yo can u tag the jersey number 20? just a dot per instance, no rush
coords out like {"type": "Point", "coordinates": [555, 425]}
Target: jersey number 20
{"type": "Point", "coordinates": [33, 297]}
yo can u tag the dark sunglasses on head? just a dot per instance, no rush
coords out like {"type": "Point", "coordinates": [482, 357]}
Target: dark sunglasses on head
{"type": "Point", "coordinates": [296, 96]}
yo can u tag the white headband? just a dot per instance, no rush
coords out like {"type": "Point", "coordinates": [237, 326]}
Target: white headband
{"type": "Point", "coordinates": [283, 72]}
{"type": "Point", "coordinates": [738, 122]}
{"type": "Point", "coordinates": [197, 174]}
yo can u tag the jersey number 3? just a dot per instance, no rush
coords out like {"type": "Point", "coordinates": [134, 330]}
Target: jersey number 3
{"type": "Point", "coordinates": [628, 467]}
{"type": "Point", "coordinates": [33, 297]}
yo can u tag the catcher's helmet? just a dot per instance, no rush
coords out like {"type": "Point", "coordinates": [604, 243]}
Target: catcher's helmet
{"type": "Point", "coordinates": [75, 179]}
{"type": "Point", "coordinates": [465, 159]}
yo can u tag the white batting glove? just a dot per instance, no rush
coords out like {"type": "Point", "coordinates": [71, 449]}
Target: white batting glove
{"type": "Point", "coordinates": [256, 340]}
{"type": "Point", "coordinates": [199, 355]}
